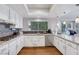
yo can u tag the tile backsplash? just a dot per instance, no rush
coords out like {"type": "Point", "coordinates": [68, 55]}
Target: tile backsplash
{"type": "Point", "coordinates": [4, 31]}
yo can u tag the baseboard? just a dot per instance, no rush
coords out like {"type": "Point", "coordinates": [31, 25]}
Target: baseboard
{"type": "Point", "coordinates": [39, 47]}
{"type": "Point", "coordinates": [58, 50]}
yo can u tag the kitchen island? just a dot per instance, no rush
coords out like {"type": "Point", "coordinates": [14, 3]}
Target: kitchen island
{"type": "Point", "coordinates": [36, 40]}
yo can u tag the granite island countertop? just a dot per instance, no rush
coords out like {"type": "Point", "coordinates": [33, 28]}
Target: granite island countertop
{"type": "Point", "coordinates": [37, 34]}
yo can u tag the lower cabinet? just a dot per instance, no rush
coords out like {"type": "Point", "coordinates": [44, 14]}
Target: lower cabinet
{"type": "Point", "coordinates": [59, 44]}
{"type": "Point", "coordinates": [70, 50]}
{"type": "Point", "coordinates": [34, 41]}
{"type": "Point", "coordinates": [49, 40]}
{"type": "Point", "coordinates": [56, 42]}
{"type": "Point", "coordinates": [62, 47]}
{"type": "Point", "coordinates": [65, 47]}
{"type": "Point", "coordinates": [19, 43]}
{"type": "Point", "coordinates": [12, 47]}
{"type": "Point", "coordinates": [15, 45]}
{"type": "Point", "coordinates": [4, 49]}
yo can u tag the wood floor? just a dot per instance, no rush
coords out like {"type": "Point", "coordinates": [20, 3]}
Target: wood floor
{"type": "Point", "coordinates": [40, 51]}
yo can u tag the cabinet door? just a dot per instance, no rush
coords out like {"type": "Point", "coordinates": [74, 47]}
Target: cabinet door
{"type": "Point", "coordinates": [16, 21]}
{"type": "Point", "coordinates": [27, 41]}
{"type": "Point", "coordinates": [56, 42]}
{"type": "Point", "coordinates": [41, 41]}
{"type": "Point", "coordinates": [38, 41]}
{"type": "Point", "coordinates": [19, 43]}
{"type": "Point", "coordinates": [22, 41]}
{"type": "Point", "coordinates": [49, 40]}
{"type": "Point", "coordinates": [12, 16]}
{"type": "Point", "coordinates": [4, 49]}
{"type": "Point", "coordinates": [70, 50]}
{"type": "Point", "coordinates": [12, 47]}
{"type": "Point", "coordinates": [19, 21]}
{"type": "Point", "coordinates": [59, 43]}
{"type": "Point", "coordinates": [4, 12]}
{"type": "Point", "coordinates": [62, 47]}
{"type": "Point", "coordinates": [34, 41]}
{"type": "Point", "coordinates": [78, 49]}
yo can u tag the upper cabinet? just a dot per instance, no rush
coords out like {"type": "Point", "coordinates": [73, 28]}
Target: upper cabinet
{"type": "Point", "coordinates": [12, 16]}
{"type": "Point", "coordinates": [9, 15]}
{"type": "Point", "coordinates": [15, 18]}
{"type": "Point", "coordinates": [18, 21]}
{"type": "Point", "coordinates": [4, 12]}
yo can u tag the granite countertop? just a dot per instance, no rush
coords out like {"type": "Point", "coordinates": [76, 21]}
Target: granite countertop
{"type": "Point", "coordinates": [73, 39]}
{"type": "Point", "coordinates": [36, 34]}
{"type": "Point", "coordinates": [4, 40]}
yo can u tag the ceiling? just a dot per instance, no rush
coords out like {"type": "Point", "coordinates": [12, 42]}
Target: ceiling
{"type": "Point", "coordinates": [39, 7]}
{"type": "Point", "coordinates": [46, 10]}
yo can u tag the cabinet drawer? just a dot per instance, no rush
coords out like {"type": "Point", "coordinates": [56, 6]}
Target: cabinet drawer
{"type": "Point", "coordinates": [71, 44]}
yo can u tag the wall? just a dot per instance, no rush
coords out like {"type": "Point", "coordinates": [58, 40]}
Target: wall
{"type": "Point", "coordinates": [53, 24]}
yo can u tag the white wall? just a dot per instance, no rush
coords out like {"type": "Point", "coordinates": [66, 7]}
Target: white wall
{"type": "Point", "coordinates": [53, 23]}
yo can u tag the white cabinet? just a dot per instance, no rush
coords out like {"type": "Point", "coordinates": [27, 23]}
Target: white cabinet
{"type": "Point", "coordinates": [27, 41]}
{"type": "Point", "coordinates": [34, 41]}
{"type": "Point", "coordinates": [20, 43]}
{"type": "Point", "coordinates": [49, 40]}
{"type": "Point", "coordinates": [65, 47]}
{"type": "Point", "coordinates": [18, 21]}
{"type": "Point", "coordinates": [59, 43]}
{"type": "Point", "coordinates": [12, 16]}
{"type": "Point", "coordinates": [12, 47]}
{"type": "Point", "coordinates": [56, 42]}
{"type": "Point", "coordinates": [4, 12]}
{"type": "Point", "coordinates": [62, 46]}
{"type": "Point", "coordinates": [15, 45]}
{"type": "Point", "coordinates": [70, 50]}
{"type": "Point", "coordinates": [4, 49]}
{"type": "Point", "coordinates": [39, 41]}
{"type": "Point", "coordinates": [78, 49]}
